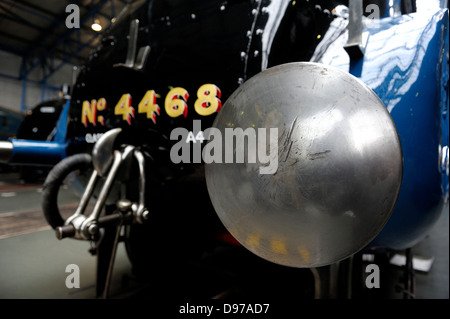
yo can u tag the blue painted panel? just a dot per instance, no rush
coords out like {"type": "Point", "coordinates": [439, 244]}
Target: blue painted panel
{"type": "Point", "coordinates": [406, 64]}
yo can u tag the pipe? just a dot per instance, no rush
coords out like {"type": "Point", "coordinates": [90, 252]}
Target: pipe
{"type": "Point", "coordinates": [32, 152]}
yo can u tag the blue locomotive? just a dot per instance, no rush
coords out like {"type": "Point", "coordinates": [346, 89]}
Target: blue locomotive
{"type": "Point", "coordinates": [355, 91]}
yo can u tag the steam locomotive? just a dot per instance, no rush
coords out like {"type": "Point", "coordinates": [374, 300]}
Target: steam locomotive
{"type": "Point", "coordinates": [355, 93]}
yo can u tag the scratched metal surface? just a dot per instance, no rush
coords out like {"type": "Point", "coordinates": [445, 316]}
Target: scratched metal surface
{"type": "Point", "coordinates": [339, 166]}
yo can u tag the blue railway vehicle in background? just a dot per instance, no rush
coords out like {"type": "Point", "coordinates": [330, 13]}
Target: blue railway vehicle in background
{"type": "Point", "coordinates": [9, 123]}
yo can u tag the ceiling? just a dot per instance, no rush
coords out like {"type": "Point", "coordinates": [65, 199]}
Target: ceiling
{"type": "Point", "coordinates": [37, 31]}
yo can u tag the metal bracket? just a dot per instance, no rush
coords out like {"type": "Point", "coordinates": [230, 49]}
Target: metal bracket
{"type": "Point", "coordinates": [107, 163]}
{"type": "Point", "coordinates": [131, 61]}
{"type": "Point", "coordinates": [142, 57]}
{"type": "Point", "coordinates": [357, 39]}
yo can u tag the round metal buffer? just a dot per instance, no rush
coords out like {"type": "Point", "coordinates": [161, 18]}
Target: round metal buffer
{"type": "Point", "coordinates": [321, 168]}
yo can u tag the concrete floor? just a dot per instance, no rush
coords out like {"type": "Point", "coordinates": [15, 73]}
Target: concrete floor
{"type": "Point", "coordinates": [34, 266]}
{"type": "Point", "coordinates": [33, 263]}
{"type": "Point", "coordinates": [435, 283]}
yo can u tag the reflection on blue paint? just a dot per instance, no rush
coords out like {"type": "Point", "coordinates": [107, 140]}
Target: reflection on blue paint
{"type": "Point", "coordinates": [406, 64]}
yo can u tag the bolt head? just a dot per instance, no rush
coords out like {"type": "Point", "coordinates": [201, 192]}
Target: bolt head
{"type": "Point", "coordinates": [145, 215]}
{"type": "Point", "coordinates": [124, 205]}
{"type": "Point", "coordinates": [92, 229]}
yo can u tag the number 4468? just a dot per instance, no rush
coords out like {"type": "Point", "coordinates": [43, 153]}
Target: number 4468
{"type": "Point", "coordinates": [175, 105]}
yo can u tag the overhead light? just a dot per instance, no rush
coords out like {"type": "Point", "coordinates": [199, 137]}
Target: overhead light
{"type": "Point", "coordinates": [96, 26]}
